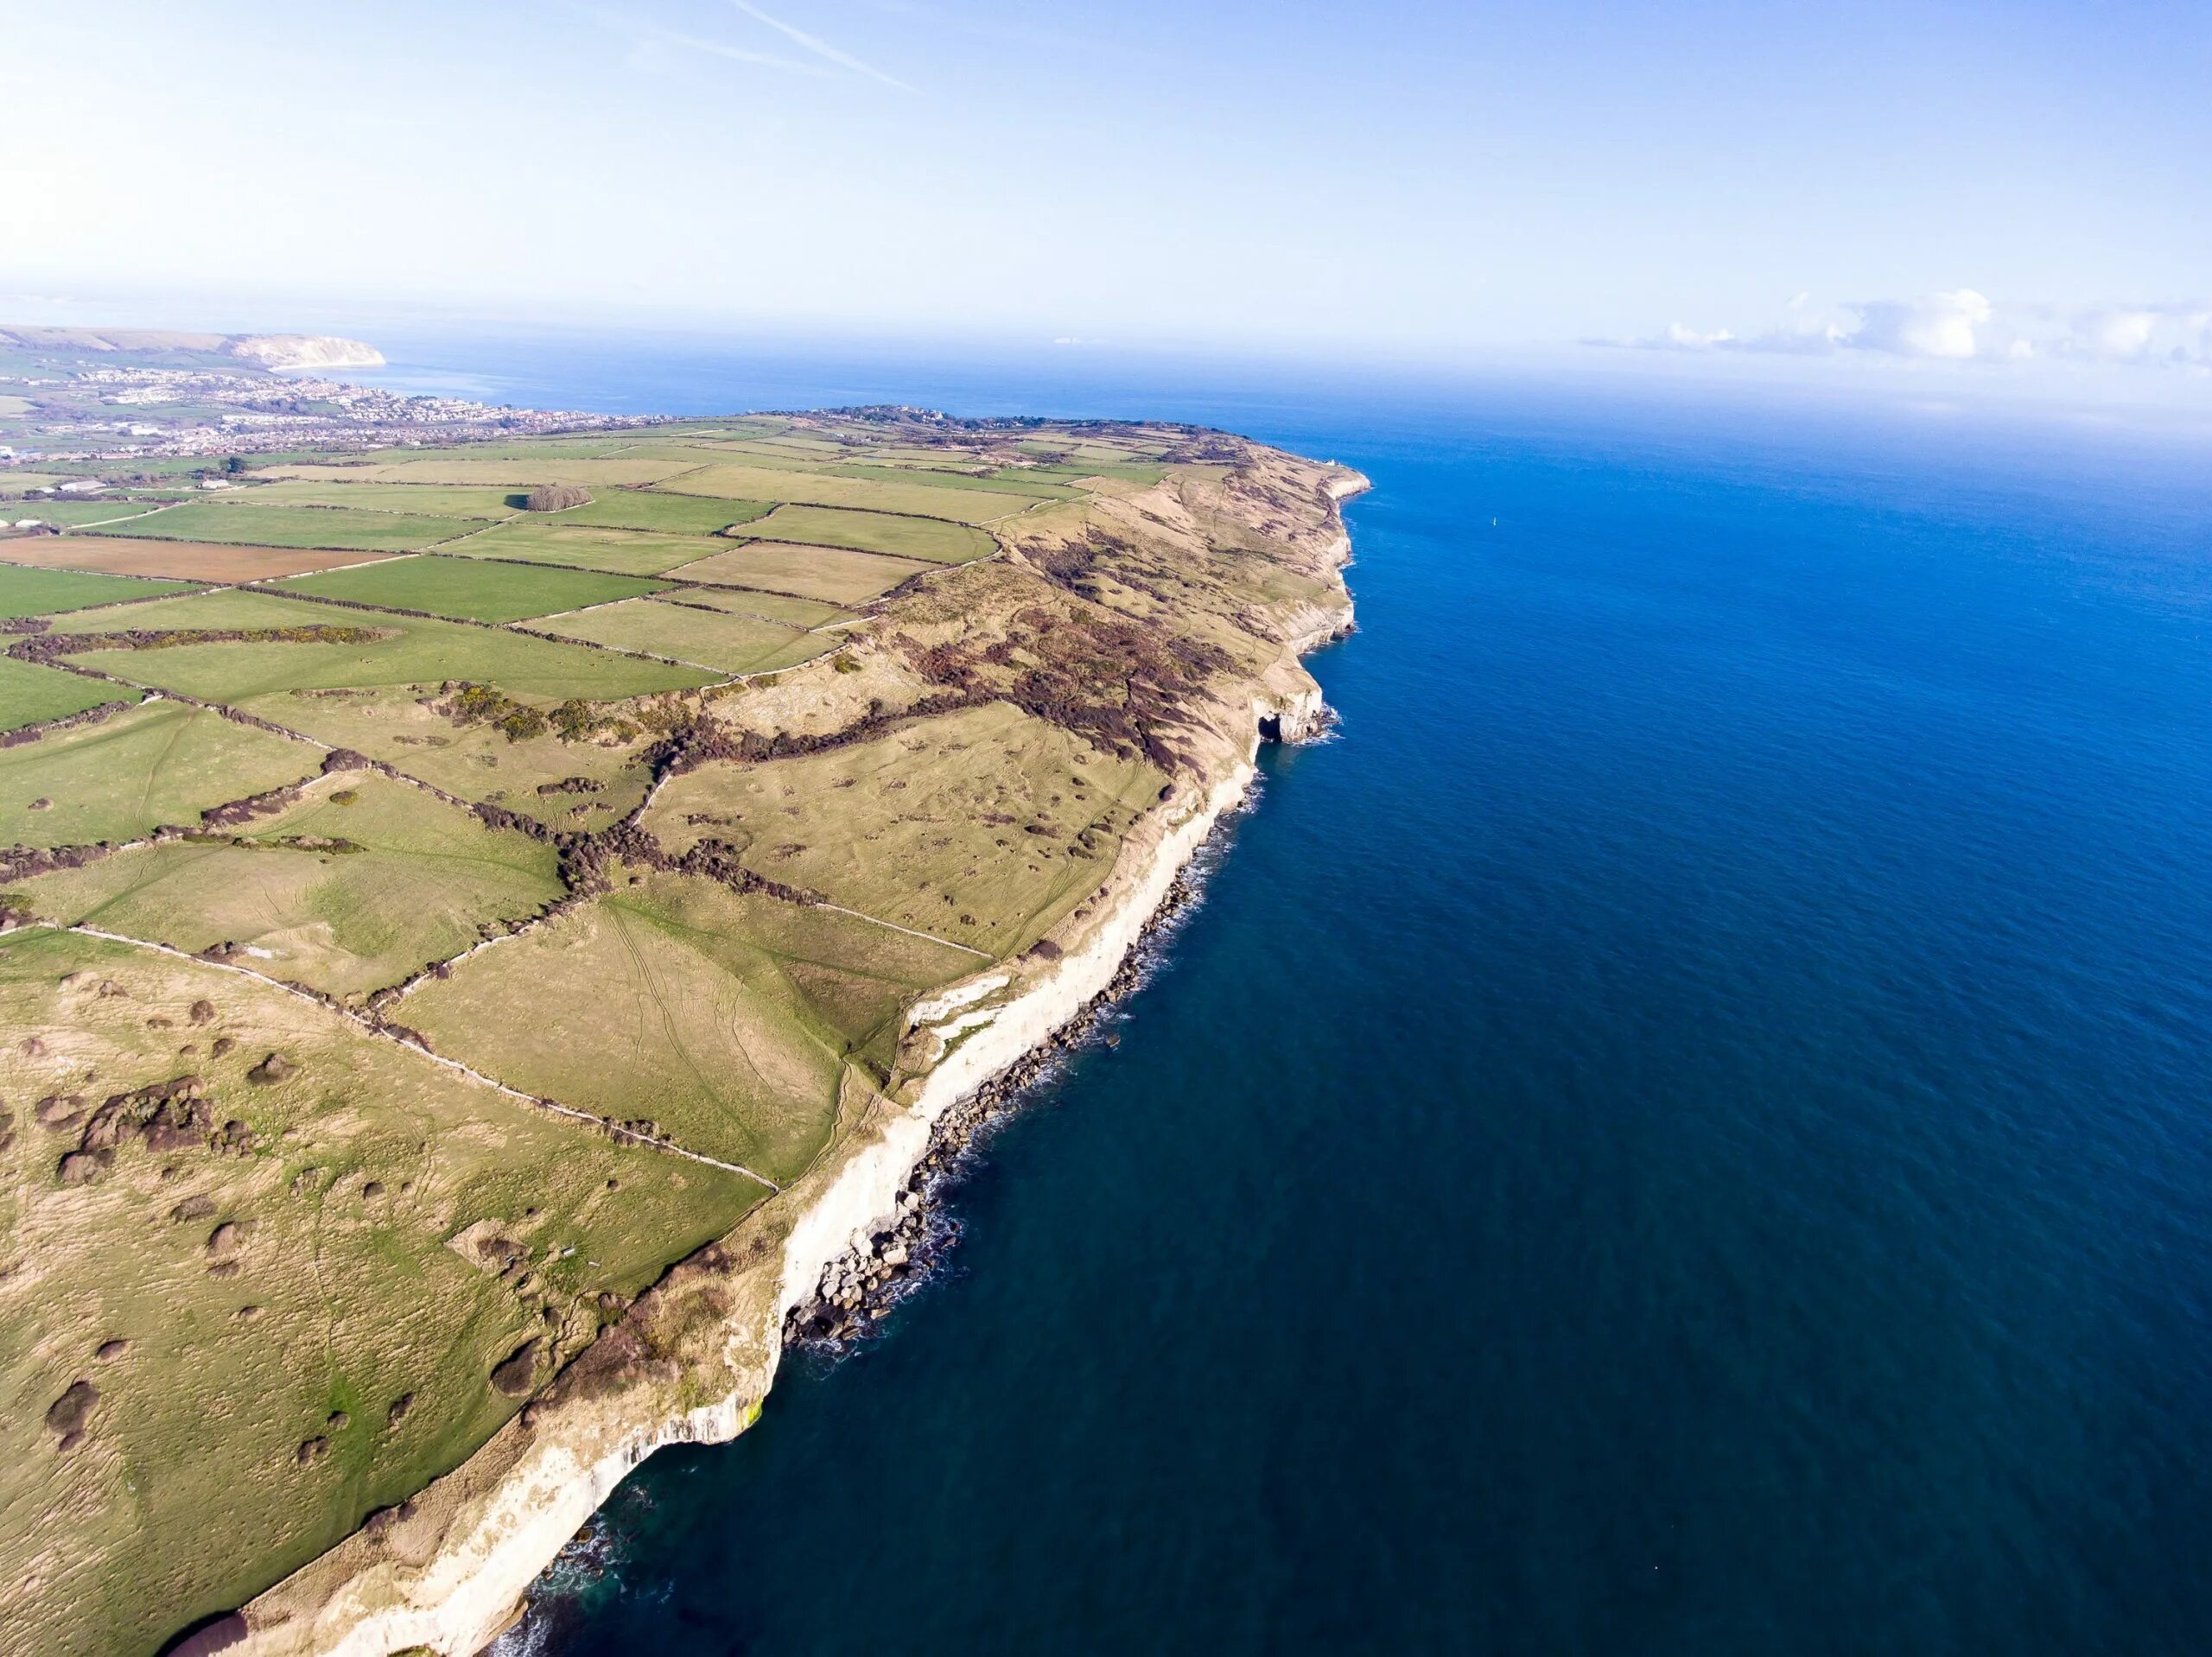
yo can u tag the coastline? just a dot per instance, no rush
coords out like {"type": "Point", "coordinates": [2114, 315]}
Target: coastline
{"type": "Point", "coordinates": [447, 1570]}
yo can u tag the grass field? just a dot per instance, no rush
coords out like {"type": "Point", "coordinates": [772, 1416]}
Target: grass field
{"type": "Point", "coordinates": [188, 1494]}
{"type": "Point", "coordinates": [183, 560]}
{"type": "Point", "coordinates": [828, 489]}
{"type": "Point", "coordinates": [69, 513]}
{"type": "Point", "coordinates": [469, 589]}
{"type": "Point", "coordinates": [415, 651]}
{"type": "Point", "coordinates": [555, 540]}
{"type": "Point", "coordinates": [833, 574]}
{"type": "Point", "coordinates": [644, 509]}
{"type": "Point", "coordinates": [161, 762]}
{"type": "Point", "coordinates": [436, 500]}
{"type": "Point", "coordinates": [243, 523]}
{"type": "Point", "coordinates": [344, 894]}
{"type": "Point", "coordinates": [516, 468]}
{"type": "Point", "coordinates": [769, 607]}
{"type": "Point", "coordinates": [588, 784]}
{"type": "Point", "coordinates": [713, 639]}
{"type": "Point", "coordinates": [970, 826]}
{"type": "Point", "coordinates": [27, 591]}
{"type": "Point", "coordinates": [30, 695]}
{"type": "Point", "coordinates": [723, 1019]}
{"type": "Point", "coordinates": [907, 537]}
{"type": "Point", "coordinates": [998, 482]}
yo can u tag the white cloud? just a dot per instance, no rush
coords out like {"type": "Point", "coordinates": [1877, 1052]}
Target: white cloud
{"type": "Point", "coordinates": [1963, 325]}
{"type": "Point", "coordinates": [1942, 324]}
{"type": "Point", "coordinates": [1679, 335]}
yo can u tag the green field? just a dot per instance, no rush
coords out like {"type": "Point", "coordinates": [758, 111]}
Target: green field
{"type": "Point", "coordinates": [826, 489]}
{"type": "Point", "coordinates": [436, 500]}
{"type": "Point", "coordinates": [831, 574]}
{"type": "Point", "coordinates": [735, 644]}
{"type": "Point", "coordinates": [30, 695]}
{"type": "Point", "coordinates": [403, 727]}
{"type": "Point", "coordinates": [468, 589]}
{"type": "Point", "coordinates": [723, 1019]}
{"type": "Point", "coordinates": [69, 513]}
{"type": "Point", "coordinates": [161, 762]}
{"type": "Point", "coordinates": [344, 894]}
{"type": "Point", "coordinates": [517, 468]}
{"type": "Point", "coordinates": [997, 483]}
{"type": "Point", "coordinates": [970, 826]}
{"type": "Point", "coordinates": [905, 537]}
{"type": "Point", "coordinates": [646, 509]}
{"type": "Point", "coordinates": [240, 523]}
{"type": "Point", "coordinates": [415, 651]}
{"type": "Point", "coordinates": [192, 1497]}
{"type": "Point", "coordinates": [27, 592]}
{"type": "Point", "coordinates": [555, 540]}
{"type": "Point", "coordinates": [769, 607]}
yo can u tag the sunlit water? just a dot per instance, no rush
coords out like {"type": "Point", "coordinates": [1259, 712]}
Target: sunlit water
{"type": "Point", "coordinates": [1685, 1130]}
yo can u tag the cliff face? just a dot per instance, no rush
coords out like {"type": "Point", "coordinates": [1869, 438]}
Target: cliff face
{"type": "Point", "coordinates": [1248, 567]}
{"type": "Point", "coordinates": [302, 351]}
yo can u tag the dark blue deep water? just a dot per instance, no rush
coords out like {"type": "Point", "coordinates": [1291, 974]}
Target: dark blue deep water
{"type": "Point", "coordinates": [1687, 1129]}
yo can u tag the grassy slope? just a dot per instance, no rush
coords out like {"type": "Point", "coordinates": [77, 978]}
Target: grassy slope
{"type": "Point", "coordinates": [469, 589]}
{"type": "Point", "coordinates": [557, 540]}
{"type": "Point", "coordinates": [721, 1019]}
{"type": "Point", "coordinates": [933, 825]}
{"type": "Point", "coordinates": [476, 762]}
{"type": "Point", "coordinates": [734, 643]}
{"type": "Point", "coordinates": [906, 537]}
{"type": "Point", "coordinates": [245, 524]}
{"type": "Point", "coordinates": [45, 592]}
{"type": "Point", "coordinates": [416, 651]}
{"type": "Point", "coordinates": [161, 762]}
{"type": "Point", "coordinates": [411, 882]}
{"type": "Point", "coordinates": [30, 695]}
{"type": "Point", "coordinates": [187, 1496]}
{"type": "Point", "coordinates": [834, 575]}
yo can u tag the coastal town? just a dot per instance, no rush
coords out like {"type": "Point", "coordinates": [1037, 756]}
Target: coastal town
{"type": "Point", "coordinates": [80, 408]}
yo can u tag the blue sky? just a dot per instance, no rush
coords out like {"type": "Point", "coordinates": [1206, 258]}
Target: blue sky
{"type": "Point", "coordinates": [2022, 183]}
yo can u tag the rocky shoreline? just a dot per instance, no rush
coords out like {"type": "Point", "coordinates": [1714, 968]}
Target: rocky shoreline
{"type": "Point", "coordinates": [859, 1288]}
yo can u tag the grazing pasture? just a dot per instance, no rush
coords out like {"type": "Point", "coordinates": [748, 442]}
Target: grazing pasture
{"type": "Point", "coordinates": [715, 638]}
{"type": "Point", "coordinates": [517, 468]}
{"type": "Point", "coordinates": [833, 574]}
{"type": "Point", "coordinates": [362, 883]}
{"type": "Point", "coordinates": [469, 589]}
{"type": "Point", "coordinates": [984, 827]}
{"type": "Point", "coordinates": [238, 523]}
{"type": "Point", "coordinates": [916, 498]}
{"type": "Point", "coordinates": [724, 1019]}
{"type": "Point", "coordinates": [576, 785]}
{"type": "Point", "coordinates": [908, 537]}
{"type": "Point", "coordinates": [27, 592]}
{"type": "Point", "coordinates": [160, 762]}
{"type": "Point", "coordinates": [183, 560]}
{"type": "Point", "coordinates": [436, 500]}
{"type": "Point", "coordinates": [555, 540]}
{"type": "Point", "coordinates": [652, 508]}
{"type": "Point", "coordinates": [332, 1314]}
{"type": "Point", "coordinates": [408, 650]}
{"type": "Point", "coordinates": [30, 693]}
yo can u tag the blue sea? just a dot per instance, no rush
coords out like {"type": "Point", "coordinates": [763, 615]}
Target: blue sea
{"type": "Point", "coordinates": [1685, 1128]}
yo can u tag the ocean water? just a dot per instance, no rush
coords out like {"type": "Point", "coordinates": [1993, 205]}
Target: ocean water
{"type": "Point", "coordinates": [1685, 1128]}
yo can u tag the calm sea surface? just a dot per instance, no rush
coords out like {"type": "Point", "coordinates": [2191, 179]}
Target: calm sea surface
{"type": "Point", "coordinates": [1685, 1129]}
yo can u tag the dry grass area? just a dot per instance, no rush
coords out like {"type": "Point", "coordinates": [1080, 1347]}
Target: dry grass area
{"type": "Point", "coordinates": [183, 560]}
